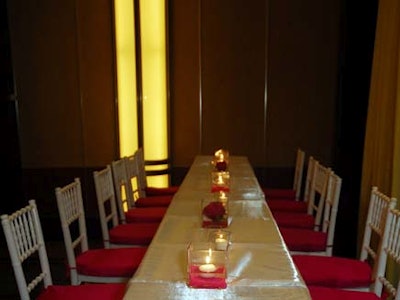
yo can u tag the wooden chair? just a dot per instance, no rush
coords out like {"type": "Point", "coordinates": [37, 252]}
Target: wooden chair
{"type": "Point", "coordinates": [137, 191]}
{"type": "Point", "coordinates": [125, 191]}
{"type": "Point", "coordinates": [150, 191]}
{"type": "Point", "coordinates": [317, 241]}
{"type": "Point", "coordinates": [116, 234]}
{"type": "Point", "coordinates": [91, 265]}
{"type": "Point", "coordinates": [295, 192]}
{"type": "Point", "coordinates": [121, 187]}
{"type": "Point", "coordinates": [25, 241]}
{"type": "Point", "coordinates": [301, 205]}
{"type": "Point", "coordinates": [137, 188]}
{"type": "Point", "coordinates": [348, 273]}
{"type": "Point", "coordinates": [385, 285]}
{"type": "Point", "coordinates": [315, 203]}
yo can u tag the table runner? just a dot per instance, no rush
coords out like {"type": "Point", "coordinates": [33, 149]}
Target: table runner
{"type": "Point", "coordinates": [260, 266]}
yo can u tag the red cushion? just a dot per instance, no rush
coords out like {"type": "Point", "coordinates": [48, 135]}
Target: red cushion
{"type": "Point", "coordinates": [297, 220]}
{"type": "Point", "coordinates": [106, 291]}
{"type": "Point", "coordinates": [110, 262]}
{"type": "Point", "coordinates": [304, 239]}
{"type": "Point", "coordinates": [133, 233]}
{"type": "Point", "coordinates": [325, 293]}
{"type": "Point", "coordinates": [289, 194]}
{"type": "Point", "coordinates": [330, 271]}
{"type": "Point", "coordinates": [154, 201]}
{"type": "Point", "coordinates": [287, 205]}
{"type": "Point", "coordinates": [155, 191]}
{"type": "Point", "coordinates": [145, 214]}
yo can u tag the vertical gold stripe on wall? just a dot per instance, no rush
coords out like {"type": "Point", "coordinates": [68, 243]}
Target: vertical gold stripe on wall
{"type": "Point", "coordinates": [381, 148]}
{"type": "Point", "coordinates": [154, 81]}
{"type": "Point", "coordinates": [396, 150]}
{"type": "Point", "coordinates": [126, 74]}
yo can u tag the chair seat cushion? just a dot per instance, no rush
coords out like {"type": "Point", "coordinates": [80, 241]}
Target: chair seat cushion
{"type": "Point", "coordinates": [133, 233]}
{"type": "Point", "coordinates": [287, 205]}
{"type": "Point", "coordinates": [154, 201]}
{"type": "Point", "coordinates": [325, 293]}
{"type": "Point", "coordinates": [116, 262]}
{"type": "Point", "coordinates": [271, 193]}
{"type": "Point", "coordinates": [106, 291]}
{"type": "Point", "coordinates": [156, 191]}
{"type": "Point", "coordinates": [145, 214]}
{"type": "Point", "coordinates": [304, 239]}
{"type": "Point", "coordinates": [331, 271]}
{"type": "Point", "coordinates": [296, 220]}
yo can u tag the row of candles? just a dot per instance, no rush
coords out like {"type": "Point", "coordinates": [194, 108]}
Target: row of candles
{"type": "Point", "coordinates": [207, 261]}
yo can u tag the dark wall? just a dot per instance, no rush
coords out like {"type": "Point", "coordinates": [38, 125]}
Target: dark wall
{"type": "Point", "coordinates": [258, 78]}
{"type": "Point", "coordinates": [9, 136]}
{"type": "Point", "coordinates": [314, 63]}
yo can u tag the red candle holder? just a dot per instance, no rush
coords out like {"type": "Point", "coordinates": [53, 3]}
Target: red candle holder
{"type": "Point", "coordinates": [220, 181]}
{"type": "Point", "coordinates": [221, 160]}
{"type": "Point", "coordinates": [206, 267]}
{"type": "Point", "coordinates": [221, 165]}
{"type": "Point", "coordinates": [214, 211]}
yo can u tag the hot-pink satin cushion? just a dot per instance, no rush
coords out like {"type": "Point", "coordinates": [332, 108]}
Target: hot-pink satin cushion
{"type": "Point", "coordinates": [331, 271]}
{"type": "Point", "coordinates": [154, 201]}
{"type": "Point", "coordinates": [324, 293]}
{"type": "Point", "coordinates": [271, 193]}
{"type": "Point", "coordinates": [287, 205]}
{"type": "Point", "coordinates": [110, 262]}
{"type": "Point", "coordinates": [154, 191]}
{"type": "Point", "coordinates": [145, 214]}
{"type": "Point", "coordinates": [304, 239]}
{"type": "Point", "coordinates": [297, 220]}
{"type": "Point", "coordinates": [133, 233]}
{"type": "Point", "coordinates": [106, 291]}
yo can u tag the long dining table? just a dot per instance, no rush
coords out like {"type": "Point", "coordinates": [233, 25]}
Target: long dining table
{"type": "Point", "coordinates": [260, 265]}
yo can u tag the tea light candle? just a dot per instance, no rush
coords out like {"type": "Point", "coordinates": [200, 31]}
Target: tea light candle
{"type": "Point", "coordinates": [208, 267]}
{"type": "Point", "coordinates": [221, 243]}
{"type": "Point", "coordinates": [222, 196]}
{"type": "Point", "coordinates": [219, 155]}
{"type": "Point", "coordinates": [220, 180]}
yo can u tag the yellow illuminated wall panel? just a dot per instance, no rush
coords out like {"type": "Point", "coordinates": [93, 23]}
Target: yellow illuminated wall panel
{"type": "Point", "coordinates": [154, 81]}
{"type": "Point", "coordinates": [154, 78]}
{"type": "Point", "coordinates": [126, 76]}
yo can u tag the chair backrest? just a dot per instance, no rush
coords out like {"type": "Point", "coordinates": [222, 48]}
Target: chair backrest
{"type": "Point", "coordinates": [141, 170]}
{"type": "Point", "coordinates": [298, 172]}
{"type": "Point", "coordinates": [379, 206]}
{"type": "Point", "coordinates": [123, 192]}
{"type": "Point", "coordinates": [106, 202]}
{"type": "Point", "coordinates": [72, 215]}
{"type": "Point", "coordinates": [24, 237]}
{"type": "Point", "coordinates": [135, 188]}
{"type": "Point", "coordinates": [309, 178]}
{"type": "Point", "coordinates": [390, 249]}
{"type": "Point", "coordinates": [318, 192]}
{"type": "Point", "coordinates": [330, 209]}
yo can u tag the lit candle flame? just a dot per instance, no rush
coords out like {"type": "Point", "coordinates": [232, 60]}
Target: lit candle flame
{"type": "Point", "coordinates": [208, 257]}
{"type": "Point", "coordinates": [222, 195]}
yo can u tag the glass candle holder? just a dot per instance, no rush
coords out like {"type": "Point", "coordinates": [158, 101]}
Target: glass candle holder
{"type": "Point", "coordinates": [220, 181]}
{"type": "Point", "coordinates": [221, 160]}
{"type": "Point", "coordinates": [206, 267]}
{"type": "Point", "coordinates": [220, 238]}
{"type": "Point", "coordinates": [214, 211]}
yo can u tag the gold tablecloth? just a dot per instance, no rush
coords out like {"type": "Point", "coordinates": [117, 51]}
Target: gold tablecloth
{"type": "Point", "coordinates": [260, 266]}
